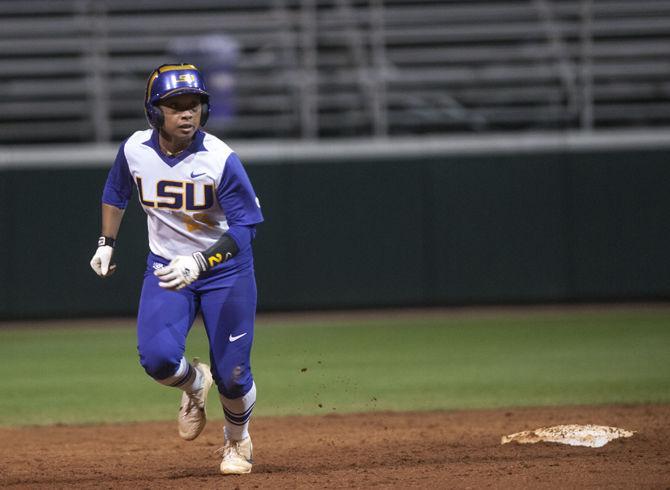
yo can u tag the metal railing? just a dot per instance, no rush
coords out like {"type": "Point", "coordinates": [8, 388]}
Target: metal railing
{"type": "Point", "coordinates": [74, 70]}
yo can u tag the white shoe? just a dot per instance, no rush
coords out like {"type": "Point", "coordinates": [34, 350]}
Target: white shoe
{"type": "Point", "coordinates": [192, 414]}
{"type": "Point", "coordinates": [237, 457]}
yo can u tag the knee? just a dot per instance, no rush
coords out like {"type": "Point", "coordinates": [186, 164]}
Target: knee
{"type": "Point", "coordinates": [234, 381]}
{"type": "Point", "coordinates": [159, 365]}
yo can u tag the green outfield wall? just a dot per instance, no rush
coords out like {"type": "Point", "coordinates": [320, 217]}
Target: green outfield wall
{"type": "Point", "coordinates": [374, 231]}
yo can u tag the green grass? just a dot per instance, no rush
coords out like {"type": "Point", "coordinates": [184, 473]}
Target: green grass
{"type": "Point", "coordinates": [88, 375]}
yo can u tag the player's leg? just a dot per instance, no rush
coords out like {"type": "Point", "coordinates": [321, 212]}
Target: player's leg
{"type": "Point", "coordinates": [229, 310]}
{"type": "Point", "coordinates": [163, 322]}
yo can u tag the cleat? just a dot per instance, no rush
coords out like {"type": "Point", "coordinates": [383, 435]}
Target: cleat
{"type": "Point", "coordinates": [192, 414]}
{"type": "Point", "coordinates": [237, 457]}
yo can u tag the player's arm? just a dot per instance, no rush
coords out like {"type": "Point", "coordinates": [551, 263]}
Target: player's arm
{"type": "Point", "coordinates": [115, 196]}
{"type": "Point", "coordinates": [111, 222]}
{"type": "Point", "coordinates": [223, 250]}
{"type": "Point", "coordinates": [184, 269]}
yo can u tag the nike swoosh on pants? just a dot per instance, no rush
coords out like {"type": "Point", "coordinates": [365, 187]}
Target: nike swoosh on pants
{"type": "Point", "coordinates": [233, 339]}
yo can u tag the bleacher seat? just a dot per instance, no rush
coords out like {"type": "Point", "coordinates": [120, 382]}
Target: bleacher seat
{"type": "Point", "coordinates": [75, 70]}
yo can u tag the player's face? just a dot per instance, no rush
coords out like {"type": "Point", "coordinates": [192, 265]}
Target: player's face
{"type": "Point", "coordinates": [182, 115]}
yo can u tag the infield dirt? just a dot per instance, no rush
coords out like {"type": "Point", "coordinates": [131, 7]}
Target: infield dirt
{"type": "Point", "coordinates": [459, 449]}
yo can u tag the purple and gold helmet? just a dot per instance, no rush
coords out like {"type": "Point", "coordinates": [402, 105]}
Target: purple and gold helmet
{"type": "Point", "coordinates": [168, 81]}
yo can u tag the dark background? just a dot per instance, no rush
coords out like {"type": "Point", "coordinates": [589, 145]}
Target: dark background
{"type": "Point", "coordinates": [371, 232]}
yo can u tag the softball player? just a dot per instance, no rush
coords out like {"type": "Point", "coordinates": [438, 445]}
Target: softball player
{"type": "Point", "coordinates": [201, 216]}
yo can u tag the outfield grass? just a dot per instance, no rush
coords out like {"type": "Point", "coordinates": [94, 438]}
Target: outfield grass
{"type": "Point", "coordinates": [87, 375]}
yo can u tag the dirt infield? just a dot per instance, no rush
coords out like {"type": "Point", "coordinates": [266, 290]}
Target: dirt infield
{"type": "Point", "coordinates": [459, 449]}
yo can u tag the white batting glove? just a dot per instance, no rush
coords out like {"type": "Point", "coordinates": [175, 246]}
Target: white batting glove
{"type": "Point", "coordinates": [101, 261]}
{"type": "Point", "coordinates": [179, 273]}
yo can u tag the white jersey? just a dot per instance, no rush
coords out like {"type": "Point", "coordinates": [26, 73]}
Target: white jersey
{"type": "Point", "coordinates": [191, 199]}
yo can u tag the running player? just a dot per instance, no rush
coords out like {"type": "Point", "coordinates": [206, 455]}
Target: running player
{"type": "Point", "coordinates": [201, 215]}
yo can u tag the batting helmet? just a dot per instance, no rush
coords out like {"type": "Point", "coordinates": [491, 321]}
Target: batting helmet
{"type": "Point", "coordinates": [168, 81]}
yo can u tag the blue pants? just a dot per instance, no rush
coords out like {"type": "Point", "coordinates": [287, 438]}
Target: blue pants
{"type": "Point", "coordinates": [227, 300]}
